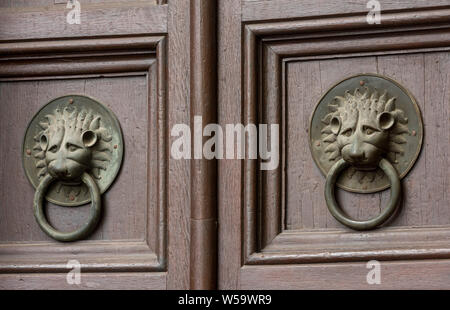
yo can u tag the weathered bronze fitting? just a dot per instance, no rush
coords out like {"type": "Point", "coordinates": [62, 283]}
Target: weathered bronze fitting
{"type": "Point", "coordinates": [365, 135]}
{"type": "Point", "coordinates": [72, 152]}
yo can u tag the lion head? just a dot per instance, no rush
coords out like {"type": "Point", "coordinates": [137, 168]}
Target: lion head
{"type": "Point", "coordinates": [71, 142]}
{"type": "Point", "coordinates": [363, 127]}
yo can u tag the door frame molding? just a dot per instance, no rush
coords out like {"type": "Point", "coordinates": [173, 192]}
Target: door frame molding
{"type": "Point", "coordinates": [267, 49]}
{"type": "Point", "coordinates": [90, 58]}
{"type": "Point", "coordinates": [203, 98]}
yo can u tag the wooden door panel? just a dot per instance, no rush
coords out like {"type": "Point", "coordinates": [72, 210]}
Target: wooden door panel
{"type": "Point", "coordinates": [292, 52]}
{"type": "Point", "coordinates": [258, 10]}
{"type": "Point", "coordinates": [89, 281]}
{"type": "Point", "coordinates": [348, 276]}
{"type": "Point", "coordinates": [131, 235]}
{"type": "Point", "coordinates": [147, 61]}
{"type": "Point", "coordinates": [121, 220]}
{"type": "Point", "coordinates": [33, 21]}
{"type": "Point", "coordinates": [122, 55]}
{"type": "Point", "coordinates": [424, 195]}
{"type": "Point", "coordinates": [150, 63]}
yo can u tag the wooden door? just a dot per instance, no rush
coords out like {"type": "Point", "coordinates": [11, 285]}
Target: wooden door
{"type": "Point", "coordinates": [276, 59]}
{"type": "Point", "coordinates": [132, 56]}
{"type": "Point", "coordinates": [153, 63]}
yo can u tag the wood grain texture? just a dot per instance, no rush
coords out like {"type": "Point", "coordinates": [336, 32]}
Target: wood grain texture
{"type": "Point", "coordinates": [179, 182]}
{"type": "Point", "coordinates": [56, 48]}
{"type": "Point", "coordinates": [367, 44]}
{"type": "Point", "coordinates": [337, 55]}
{"type": "Point", "coordinates": [50, 3]}
{"type": "Point", "coordinates": [118, 256]}
{"type": "Point", "coordinates": [425, 201]}
{"type": "Point", "coordinates": [127, 74]}
{"type": "Point", "coordinates": [287, 9]}
{"type": "Point", "coordinates": [89, 281]}
{"type": "Point", "coordinates": [415, 275]}
{"type": "Point", "coordinates": [150, 155]}
{"type": "Point", "coordinates": [20, 100]}
{"type": "Point", "coordinates": [294, 247]}
{"type": "Point", "coordinates": [101, 19]}
{"type": "Point", "coordinates": [123, 206]}
{"type": "Point", "coordinates": [315, 50]}
{"type": "Point", "coordinates": [229, 173]}
{"type": "Point", "coordinates": [327, 25]}
{"type": "Point", "coordinates": [203, 171]}
{"type": "Point", "coordinates": [75, 66]}
{"type": "Point", "coordinates": [275, 60]}
{"type": "Point", "coordinates": [270, 113]}
{"type": "Point", "coordinates": [250, 113]}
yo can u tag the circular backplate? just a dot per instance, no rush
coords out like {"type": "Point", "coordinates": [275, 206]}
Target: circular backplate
{"type": "Point", "coordinates": [109, 150]}
{"type": "Point", "coordinates": [367, 181]}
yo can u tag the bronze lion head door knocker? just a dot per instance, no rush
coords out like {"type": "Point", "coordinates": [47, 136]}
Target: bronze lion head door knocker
{"type": "Point", "coordinates": [365, 135]}
{"type": "Point", "coordinates": [72, 152]}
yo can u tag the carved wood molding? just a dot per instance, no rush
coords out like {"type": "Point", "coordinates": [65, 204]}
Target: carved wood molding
{"type": "Point", "coordinates": [263, 10]}
{"type": "Point", "coordinates": [267, 48]}
{"type": "Point", "coordinates": [124, 56]}
{"type": "Point", "coordinates": [203, 78]}
{"type": "Point", "coordinates": [116, 55]}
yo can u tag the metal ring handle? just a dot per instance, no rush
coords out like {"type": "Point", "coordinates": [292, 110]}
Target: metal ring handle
{"type": "Point", "coordinates": [336, 211]}
{"type": "Point", "coordinates": [77, 234]}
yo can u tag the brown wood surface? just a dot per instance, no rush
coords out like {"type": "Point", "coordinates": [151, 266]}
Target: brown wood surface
{"type": "Point", "coordinates": [179, 224]}
{"type": "Point", "coordinates": [253, 10]}
{"type": "Point", "coordinates": [97, 19]}
{"type": "Point", "coordinates": [229, 174]}
{"type": "Point", "coordinates": [425, 201]}
{"type": "Point", "coordinates": [58, 3]}
{"type": "Point", "coordinates": [203, 171]}
{"type": "Point", "coordinates": [132, 56]}
{"type": "Point", "coordinates": [178, 194]}
{"type": "Point", "coordinates": [413, 275]}
{"type": "Point", "coordinates": [89, 281]}
{"type": "Point", "coordinates": [136, 240]}
{"type": "Point", "coordinates": [287, 64]}
{"type": "Point", "coordinates": [121, 219]}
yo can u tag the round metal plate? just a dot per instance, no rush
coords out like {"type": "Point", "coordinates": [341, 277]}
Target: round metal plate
{"type": "Point", "coordinates": [65, 194]}
{"type": "Point", "coordinates": [367, 181]}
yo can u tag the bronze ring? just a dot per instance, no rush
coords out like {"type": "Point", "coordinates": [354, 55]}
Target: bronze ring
{"type": "Point", "coordinates": [339, 215]}
{"type": "Point", "coordinates": [77, 234]}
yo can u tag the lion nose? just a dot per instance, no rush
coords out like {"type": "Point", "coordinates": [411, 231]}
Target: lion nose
{"type": "Point", "coordinates": [60, 169]}
{"type": "Point", "coordinates": [356, 152]}
{"type": "Point", "coordinates": [62, 172]}
{"type": "Point", "coordinates": [356, 155]}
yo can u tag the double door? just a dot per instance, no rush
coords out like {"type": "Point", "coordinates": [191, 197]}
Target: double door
{"type": "Point", "coordinates": [179, 223]}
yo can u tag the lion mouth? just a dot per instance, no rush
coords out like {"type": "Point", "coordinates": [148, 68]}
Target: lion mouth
{"type": "Point", "coordinates": [364, 167]}
{"type": "Point", "coordinates": [71, 183]}
{"type": "Point", "coordinates": [361, 163]}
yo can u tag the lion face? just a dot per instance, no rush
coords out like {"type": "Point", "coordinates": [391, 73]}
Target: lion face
{"type": "Point", "coordinates": [72, 142]}
{"type": "Point", "coordinates": [362, 128]}
{"type": "Point", "coordinates": [68, 153]}
{"type": "Point", "coordinates": [362, 140]}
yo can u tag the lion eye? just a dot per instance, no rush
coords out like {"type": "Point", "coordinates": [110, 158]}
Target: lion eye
{"type": "Point", "coordinates": [348, 132]}
{"type": "Point", "coordinates": [53, 149]}
{"type": "Point", "coordinates": [72, 147]}
{"type": "Point", "coordinates": [368, 131]}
